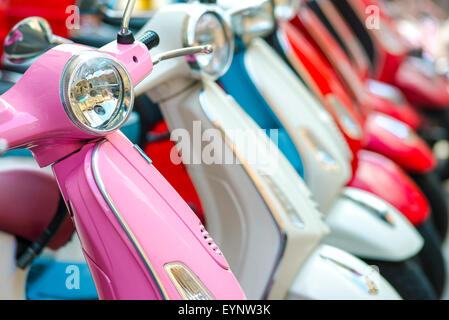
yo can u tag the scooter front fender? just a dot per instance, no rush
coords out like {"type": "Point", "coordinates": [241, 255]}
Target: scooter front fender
{"type": "Point", "coordinates": [397, 141]}
{"type": "Point", "coordinates": [387, 99]}
{"type": "Point", "coordinates": [140, 239]}
{"type": "Point", "coordinates": [422, 88]}
{"type": "Point", "coordinates": [368, 227]}
{"type": "Point", "coordinates": [333, 274]}
{"type": "Point", "coordinates": [376, 174]}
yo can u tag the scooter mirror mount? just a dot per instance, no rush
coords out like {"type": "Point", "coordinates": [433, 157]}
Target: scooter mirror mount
{"type": "Point", "coordinates": [286, 9]}
{"type": "Point", "coordinates": [125, 36]}
{"type": "Point", "coordinates": [30, 38]}
{"type": "Point", "coordinates": [251, 19]}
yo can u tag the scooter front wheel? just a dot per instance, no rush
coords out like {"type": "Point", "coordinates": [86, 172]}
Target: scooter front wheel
{"type": "Point", "coordinates": [407, 278]}
{"type": "Point", "coordinates": [431, 258]}
{"type": "Point", "coordinates": [430, 184]}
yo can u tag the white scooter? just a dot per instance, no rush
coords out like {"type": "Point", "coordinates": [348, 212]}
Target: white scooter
{"type": "Point", "coordinates": [260, 212]}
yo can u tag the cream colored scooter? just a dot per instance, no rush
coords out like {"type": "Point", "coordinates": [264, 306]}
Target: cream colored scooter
{"type": "Point", "coordinates": [259, 211]}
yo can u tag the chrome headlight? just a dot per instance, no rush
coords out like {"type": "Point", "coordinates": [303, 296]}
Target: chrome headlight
{"type": "Point", "coordinates": [209, 27]}
{"type": "Point", "coordinates": [96, 92]}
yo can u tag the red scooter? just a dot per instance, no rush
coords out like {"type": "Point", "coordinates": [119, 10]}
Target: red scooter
{"type": "Point", "coordinates": [372, 171]}
{"type": "Point", "coordinates": [391, 60]}
{"type": "Point", "coordinates": [383, 134]}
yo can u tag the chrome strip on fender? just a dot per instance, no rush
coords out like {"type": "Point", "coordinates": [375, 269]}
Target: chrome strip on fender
{"type": "Point", "coordinates": [122, 221]}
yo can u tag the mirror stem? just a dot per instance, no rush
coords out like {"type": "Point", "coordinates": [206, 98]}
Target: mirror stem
{"type": "Point", "coordinates": [125, 36]}
{"type": "Point", "coordinates": [127, 16]}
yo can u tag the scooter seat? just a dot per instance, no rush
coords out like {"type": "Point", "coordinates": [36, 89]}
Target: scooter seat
{"type": "Point", "coordinates": [29, 198]}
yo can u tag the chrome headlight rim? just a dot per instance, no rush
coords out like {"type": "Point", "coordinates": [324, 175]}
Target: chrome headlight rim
{"type": "Point", "coordinates": [73, 65]}
{"type": "Point", "coordinates": [193, 17]}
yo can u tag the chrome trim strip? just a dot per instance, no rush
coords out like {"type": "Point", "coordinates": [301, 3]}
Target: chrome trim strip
{"type": "Point", "coordinates": [122, 221]}
{"type": "Point", "coordinates": [143, 154]}
{"type": "Point", "coordinates": [361, 280]}
{"type": "Point", "coordinates": [371, 206]}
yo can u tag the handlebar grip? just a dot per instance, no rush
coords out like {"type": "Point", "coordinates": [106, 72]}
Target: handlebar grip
{"type": "Point", "coordinates": [150, 39]}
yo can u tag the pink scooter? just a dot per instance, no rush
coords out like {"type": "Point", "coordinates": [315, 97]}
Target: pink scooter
{"type": "Point", "coordinates": [140, 239]}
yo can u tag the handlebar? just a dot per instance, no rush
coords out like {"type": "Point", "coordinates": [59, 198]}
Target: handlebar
{"type": "Point", "coordinates": [150, 39]}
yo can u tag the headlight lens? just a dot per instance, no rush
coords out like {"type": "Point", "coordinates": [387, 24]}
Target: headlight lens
{"type": "Point", "coordinates": [97, 92]}
{"type": "Point", "coordinates": [210, 28]}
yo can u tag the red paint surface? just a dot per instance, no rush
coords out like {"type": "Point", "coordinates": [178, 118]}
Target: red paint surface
{"type": "Point", "coordinates": [52, 10]}
{"type": "Point", "coordinates": [392, 184]}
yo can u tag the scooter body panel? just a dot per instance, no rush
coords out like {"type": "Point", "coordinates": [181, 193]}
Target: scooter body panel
{"type": "Point", "coordinates": [389, 100]}
{"type": "Point", "coordinates": [318, 75]}
{"type": "Point", "coordinates": [104, 208]}
{"type": "Point", "coordinates": [243, 198]}
{"type": "Point", "coordinates": [316, 138]}
{"type": "Point", "coordinates": [422, 86]}
{"type": "Point", "coordinates": [384, 178]}
{"type": "Point", "coordinates": [376, 229]}
{"type": "Point", "coordinates": [396, 140]}
{"type": "Point", "coordinates": [329, 265]}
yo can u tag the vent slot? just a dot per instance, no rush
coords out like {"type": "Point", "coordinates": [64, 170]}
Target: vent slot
{"type": "Point", "coordinates": [209, 240]}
